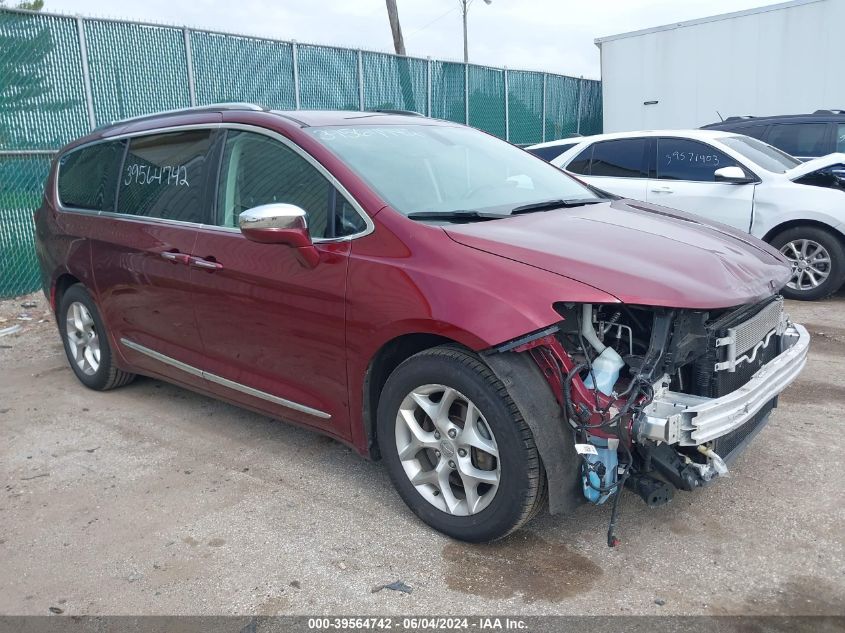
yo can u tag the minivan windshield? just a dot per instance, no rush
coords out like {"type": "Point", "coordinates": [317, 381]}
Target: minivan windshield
{"type": "Point", "coordinates": [422, 170]}
{"type": "Point", "coordinates": [768, 157]}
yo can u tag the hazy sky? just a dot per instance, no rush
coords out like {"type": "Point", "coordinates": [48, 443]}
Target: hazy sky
{"type": "Point", "coordinates": [550, 35]}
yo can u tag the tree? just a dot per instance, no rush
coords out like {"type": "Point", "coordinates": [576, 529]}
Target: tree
{"type": "Point", "coordinates": [26, 44]}
{"type": "Point", "coordinates": [30, 5]}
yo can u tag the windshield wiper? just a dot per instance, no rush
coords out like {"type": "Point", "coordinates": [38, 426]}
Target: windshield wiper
{"type": "Point", "coordinates": [455, 216]}
{"type": "Point", "coordinates": [548, 205]}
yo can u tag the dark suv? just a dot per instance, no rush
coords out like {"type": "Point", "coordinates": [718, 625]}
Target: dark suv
{"type": "Point", "coordinates": [805, 136]}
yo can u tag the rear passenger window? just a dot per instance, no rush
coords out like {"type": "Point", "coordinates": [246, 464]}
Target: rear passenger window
{"type": "Point", "coordinates": [260, 170]}
{"type": "Point", "coordinates": [623, 158]}
{"type": "Point", "coordinates": [800, 139]}
{"type": "Point", "coordinates": [165, 176]}
{"type": "Point", "coordinates": [682, 159]}
{"type": "Point", "coordinates": [581, 163]}
{"type": "Point", "coordinates": [840, 138]}
{"type": "Point", "coordinates": [88, 176]}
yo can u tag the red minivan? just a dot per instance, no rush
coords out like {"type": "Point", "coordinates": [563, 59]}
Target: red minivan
{"type": "Point", "coordinates": [499, 333]}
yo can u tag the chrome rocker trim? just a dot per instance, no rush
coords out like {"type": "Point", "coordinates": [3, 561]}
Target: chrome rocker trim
{"type": "Point", "coordinates": [689, 420]}
{"type": "Point", "coordinates": [190, 369]}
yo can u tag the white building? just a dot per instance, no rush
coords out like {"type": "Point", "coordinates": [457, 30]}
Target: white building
{"type": "Point", "coordinates": [780, 59]}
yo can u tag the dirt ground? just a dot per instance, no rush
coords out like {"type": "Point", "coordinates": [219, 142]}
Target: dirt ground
{"type": "Point", "coordinates": [154, 500]}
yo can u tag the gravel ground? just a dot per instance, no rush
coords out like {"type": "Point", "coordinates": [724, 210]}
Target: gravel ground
{"type": "Point", "coordinates": [154, 500]}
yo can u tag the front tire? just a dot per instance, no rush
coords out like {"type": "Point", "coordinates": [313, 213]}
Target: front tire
{"type": "Point", "coordinates": [86, 343]}
{"type": "Point", "coordinates": [456, 446]}
{"type": "Point", "coordinates": [818, 262]}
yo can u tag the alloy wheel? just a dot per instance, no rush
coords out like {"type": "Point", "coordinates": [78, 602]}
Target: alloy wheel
{"type": "Point", "coordinates": [810, 264]}
{"type": "Point", "coordinates": [447, 450]}
{"type": "Point", "coordinates": [83, 342]}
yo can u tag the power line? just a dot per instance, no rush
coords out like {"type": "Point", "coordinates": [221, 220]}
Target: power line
{"type": "Point", "coordinates": [452, 10]}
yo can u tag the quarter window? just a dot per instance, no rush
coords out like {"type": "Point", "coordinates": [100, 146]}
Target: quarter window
{"type": "Point", "coordinates": [800, 139]}
{"type": "Point", "coordinates": [165, 176]}
{"type": "Point", "coordinates": [550, 152]}
{"type": "Point", "coordinates": [622, 158]}
{"type": "Point", "coordinates": [581, 163]}
{"type": "Point", "coordinates": [840, 138]}
{"type": "Point", "coordinates": [682, 159]}
{"type": "Point", "coordinates": [88, 176]}
{"type": "Point", "coordinates": [259, 170]}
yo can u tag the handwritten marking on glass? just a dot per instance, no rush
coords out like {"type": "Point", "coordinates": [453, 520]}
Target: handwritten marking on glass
{"type": "Point", "coordinates": [694, 158]}
{"type": "Point", "coordinates": [176, 175]}
{"type": "Point", "coordinates": [356, 133]}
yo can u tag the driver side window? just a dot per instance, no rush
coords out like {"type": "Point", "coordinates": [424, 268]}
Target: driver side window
{"type": "Point", "coordinates": [259, 170]}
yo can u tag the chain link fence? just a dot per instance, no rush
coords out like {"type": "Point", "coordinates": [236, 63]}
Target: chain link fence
{"type": "Point", "coordinates": [60, 76]}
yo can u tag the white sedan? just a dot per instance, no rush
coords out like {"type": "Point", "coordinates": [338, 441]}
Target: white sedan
{"type": "Point", "coordinates": [797, 207]}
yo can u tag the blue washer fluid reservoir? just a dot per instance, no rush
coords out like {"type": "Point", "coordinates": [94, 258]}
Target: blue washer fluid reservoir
{"type": "Point", "coordinates": [606, 369]}
{"type": "Point", "coordinates": [603, 467]}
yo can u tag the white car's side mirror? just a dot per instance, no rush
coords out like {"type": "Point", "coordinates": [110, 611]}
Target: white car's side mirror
{"type": "Point", "coordinates": [732, 174]}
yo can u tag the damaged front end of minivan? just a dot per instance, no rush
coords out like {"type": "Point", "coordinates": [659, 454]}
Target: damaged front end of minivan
{"type": "Point", "coordinates": [652, 399]}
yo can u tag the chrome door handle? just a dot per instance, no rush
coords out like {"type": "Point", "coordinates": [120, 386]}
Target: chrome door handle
{"type": "Point", "coordinates": [205, 264]}
{"type": "Point", "coordinates": [661, 190]}
{"type": "Point", "coordinates": [176, 258]}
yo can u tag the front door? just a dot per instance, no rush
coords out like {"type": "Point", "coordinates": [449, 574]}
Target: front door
{"type": "Point", "coordinates": [273, 327]}
{"type": "Point", "coordinates": [685, 181]}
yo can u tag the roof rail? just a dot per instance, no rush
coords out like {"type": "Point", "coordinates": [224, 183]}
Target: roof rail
{"type": "Point", "coordinates": [391, 111]}
{"type": "Point", "coordinates": [211, 107]}
{"type": "Point", "coordinates": [743, 117]}
{"type": "Point", "coordinates": [831, 111]}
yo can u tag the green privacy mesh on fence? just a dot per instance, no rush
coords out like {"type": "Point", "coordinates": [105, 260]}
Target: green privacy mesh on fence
{"type": "Point", "coordinates": [22, 179]}
{"type": "Point", "coordinates": [265, 70]}
{"type": "Point", "coordinates": [398, 83]}
{"type": "Point", "coordinates": [59, 74]}
{"type": "Point", "coordinates": [525, 107]}
{"type": "Point", "coordinates": [487, 99]}
{"type": "Point", "coordinates": [448, 94]}
{"type": "Point", "coordinates": [41, 86]}
{"type": "Point", "coordinates": [135, 69]}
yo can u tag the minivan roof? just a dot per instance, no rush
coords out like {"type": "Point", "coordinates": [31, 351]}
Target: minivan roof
{"type": "Point", "coordinates": [816, 117]}
{"type": "Point", "coordinates": [304, 118]}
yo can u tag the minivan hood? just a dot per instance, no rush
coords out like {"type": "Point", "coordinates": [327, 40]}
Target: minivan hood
{"type": "Point", "coordinates": [810, 166]}
{"type": "Point", "coordinates": [639, 253]}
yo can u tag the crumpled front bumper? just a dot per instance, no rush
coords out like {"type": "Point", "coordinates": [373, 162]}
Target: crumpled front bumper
{"type": "Point", "coordinates": [679, 418]}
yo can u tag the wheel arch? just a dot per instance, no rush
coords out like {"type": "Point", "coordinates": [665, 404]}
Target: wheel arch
{"type": "Point", "coordinates": [772, 233]}
{"type": "Point", "coordinates": [388, 357]}
{"type": "Point", "coordinates": [60, 285]}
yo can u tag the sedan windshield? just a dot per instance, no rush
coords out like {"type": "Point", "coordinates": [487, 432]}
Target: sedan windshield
{"type": "Point", "coordinates": [768, 157]}
{"type": "Point", "coordinates": [428, 169]}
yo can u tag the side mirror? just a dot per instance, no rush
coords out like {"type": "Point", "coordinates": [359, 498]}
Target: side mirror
{"type": "Point", "coordinates": [733, 174]}
{"type": "Point", "coordinates": [280, 223]}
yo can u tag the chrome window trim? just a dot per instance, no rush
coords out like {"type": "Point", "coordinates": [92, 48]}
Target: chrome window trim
{"type": "Point", "coordinates": [369, 226]}
{"type": "Point", "coordinates": [225, 382]}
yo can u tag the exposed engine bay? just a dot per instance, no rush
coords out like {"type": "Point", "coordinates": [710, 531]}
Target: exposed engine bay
{"type": "Point", "coordinates": [660, 399]}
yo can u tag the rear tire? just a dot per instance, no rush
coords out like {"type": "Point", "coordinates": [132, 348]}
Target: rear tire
{"type": "Point", "coordinates": [470, 469]}
{"type": "Point", "coordinates": [86, 342]}
{"type": "Point", "coordinates": [818, 262]}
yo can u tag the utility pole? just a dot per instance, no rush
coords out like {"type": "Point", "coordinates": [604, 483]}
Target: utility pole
{"type": "Point", "coordinates": [464, 8]}
{"type": "Point", "coordinates": [396, 28]}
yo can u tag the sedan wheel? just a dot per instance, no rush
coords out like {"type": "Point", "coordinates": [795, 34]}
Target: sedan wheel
{"type": "Point", "coordinates": [817, 257]}
{"type": "Point", "coordinates": [810, 264]}
{"type": "Point", "coordinates": [447, 450]}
